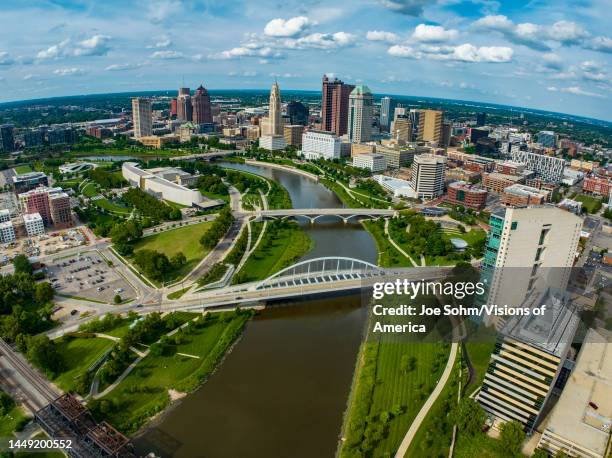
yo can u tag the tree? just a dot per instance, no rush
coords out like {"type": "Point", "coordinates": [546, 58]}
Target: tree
{"type": "Point", "coordinates": [43, 292]}
{"type": "Point", "coordinates": [6, 403]}
{"type": "Point", "coordinates": [117, 299]}
{"type": "Point", "coordinates": [469, 416]}
{"type": "Point", "coordinates": [512, 436]}
{"type": "Point", "coordinates": [43, 353]}
{"type": "Point", "coordinates": [540, 453]}
{"type": "Point", "coordinates": [22, 265]}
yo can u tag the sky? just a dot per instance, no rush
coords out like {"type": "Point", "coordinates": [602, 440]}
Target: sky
{"type": "Point", "coordinates": [545, 54]}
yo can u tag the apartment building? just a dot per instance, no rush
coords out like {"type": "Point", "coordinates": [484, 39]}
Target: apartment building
{"type": "Point", "coordinates": [372, 161]}
{"type": "Point", "coordinates": [462, 193]}
{"type": "Point", "coordinates": [34, 224]}
{"type": "Point", "coordinates": [520, 195]}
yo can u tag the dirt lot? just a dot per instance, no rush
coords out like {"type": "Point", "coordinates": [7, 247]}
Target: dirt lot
{"type": "Point", "coordinates": [88, 276]}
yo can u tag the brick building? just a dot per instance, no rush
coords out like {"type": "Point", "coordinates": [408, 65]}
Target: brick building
{"type": "Point", "coordinates": [462, 193]}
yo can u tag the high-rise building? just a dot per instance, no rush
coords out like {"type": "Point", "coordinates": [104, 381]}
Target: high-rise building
{"type": "Point", "coordinates": [202, 113]}
{"type": "Point", "coordinates": [173, 107]}
{"type": "Point", "coordinates": [274, 114]}
{"type": "Point", "coordinates": [415, 119]}
{"type": "Point", "coordinates": [481, 119]}
{"type": "Point", "coordinates": [334, 105]}
{"type": "Point", "coordinates": [60, 135]}
{"type": "Point", "coordinates": [7, 232]}
{"type": "Point", "coordinates": [184, 107]}
{"type": "Point", "coordinates": [430, 126]}
{"type": "Point", "coordinates": [7, 141]}
{"type": "Point", "coordinates": [547, 138]}
{"type": "Point", "coordinates": [61, 214]}
{"type": "Point", "coordinates": [428, 175]}
{"type": "Point", "coordinates": [401, 129]}
{"type": "Point", "coordinates": [360, 114]}
{"type": "Point", "coordinates": [549, 168]}
{"type": "Point", "coordinates": [142, 117]}
{"type": "Point", "coordinates": [527, 248]}
{"type": "Point", "coordinates": [579, 424]}
{"type": "Point", "coordinates": [32, 138]}
{"type": "Point", "coordinates": [387, 111]}
{"type": "Point", "coordinates": [298, 113]}
{"type": "Point", "coordinates": [33, 224]}
{"type": "Point", "coordinates": [293, 134]}
{"type": "Point", "coordinates": [52, 204]}
{"type": "Point", "coordinates": [528, 357]}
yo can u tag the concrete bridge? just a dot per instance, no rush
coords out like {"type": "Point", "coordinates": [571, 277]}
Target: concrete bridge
{"type": "Point", "coordinates": [314, 213]}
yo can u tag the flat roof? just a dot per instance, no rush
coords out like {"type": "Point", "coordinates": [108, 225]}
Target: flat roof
{"type": "Point", "coordinates": [32, 217]}
{"type": "Point", "coordinates": [573, 417]}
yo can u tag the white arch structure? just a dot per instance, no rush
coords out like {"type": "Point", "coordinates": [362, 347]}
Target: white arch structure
{"type": "Point", "coordinates": [315, 213]}
{"type": "Point", "coordinates": [321, 270]}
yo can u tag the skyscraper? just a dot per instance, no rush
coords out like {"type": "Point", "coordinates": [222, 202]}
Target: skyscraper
{"type": "Point", "coordinates": [274, 114]}
{"type": "Point", "coordinates": [481, 119]}
{"type": "Point", "coordinates": [184, 108]}
{"type": "Point", "coordinates": [387, 111]}
{"type": "Point", "coordinates": [298, 113]}
{"type": "Point", "coordinates": [360, 115]}
{"type": "Point", "coordinates": [202, 114]}
{"type": "Point", "coordinates": [7, 141]}
{"type": "Point", "coordinates": [428, 175]}
{"type": "Point", "coordinates": [528, 248]}
{"type": "Point", "coordinates": [401, 129]}
{"type": "Point", "coordinates": [430, 126]}
{"type": "Point", "coordinates": [334, 105]}
{"type": "Point", "coordinates": [142, 117]}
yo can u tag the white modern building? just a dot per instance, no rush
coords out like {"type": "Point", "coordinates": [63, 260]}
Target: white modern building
{"type": "Point", "coordinates": [318, 144]}
{"type": "Point", "coordinates": [428, 175]}
{"type": "Point", "coordinates": [5, 215]}
{"type": "Point", "coordinates": [580, 423]}
{"type": "Point", "coordinates": [571, 176]}
{"type": "Point", "coordinates": [34, 224]}
{"type": "Point", "coordinates": [272, 142]}
{"type": "Point", "coordinates": [7, 232]}
{"type": "Point", "coordinates": [360, 115]}
{"type": "Point", "coordinates": [399, 187]}
{"type": "Point", "coordinates": [76, 167]}
{"type": "Point", "coordinates": [371, 161]}
{"type": "Point", "coordinates": [549, 168]}
{"type": "Point", "coordinates": [528, 248]}
{"type": "Point", "coordinates": [159, 186]}
{"type": "Point", "coordinates": [142, 117]}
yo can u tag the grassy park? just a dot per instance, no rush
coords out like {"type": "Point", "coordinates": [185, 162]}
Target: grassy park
{"type": "Point", "coordinates": [185, 239]}
{"type": "Point", "coordinates": [591, 204]}
{"type": "Point", "coordinates": [283, 244]}
{"type": "Point", "coordinates": [23, 168]}
{"type": "Point", "coordinates": [12, 420]}
{"type": "Point", "coordinates": [78, 355]}
{"type": "Point", "coordinates": [388, 256]}
{"type": "Point", "coordinates": [190, 357]}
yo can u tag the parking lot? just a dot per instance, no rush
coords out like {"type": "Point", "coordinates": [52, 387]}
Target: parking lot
{"type": "Point", "coordinates": [88, 276]}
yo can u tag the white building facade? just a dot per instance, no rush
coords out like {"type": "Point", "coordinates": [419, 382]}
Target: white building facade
{"type": "Point", "coordinates": [34, 224]}
{"type": "Point", "coordinates": [7, 232]}
{"type": "Point", "coordinates": [428, 175]}
{"type": "Point", "coordinates": [317, 144]}
{"type": "Point", "coordinates": [371, 161]}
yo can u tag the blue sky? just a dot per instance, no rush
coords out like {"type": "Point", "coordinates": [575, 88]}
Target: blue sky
{"type": "Point", "coordinates": [546, 54]}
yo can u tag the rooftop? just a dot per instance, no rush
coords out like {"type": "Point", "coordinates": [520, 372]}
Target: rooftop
{"type": "Point", "coordinates": [361, 89]}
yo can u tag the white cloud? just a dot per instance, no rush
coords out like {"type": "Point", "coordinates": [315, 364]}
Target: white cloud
{"type": "Point", "coordinates": [159, 11]}
{"type": "Point", "coordinates": [433, 34]}
{"type": "Point", "coordinates": [121, 67]}
{"type": "Point", "coordinates": [324, 41]}
{"type": "Point", "coordinates": [73, 71]}
{"type": "Point", "coordinates": [381, 35]}
{"type": "Point", "coordinates": [576, 90]}
{"type": "Point", "coordinates": [284, 75]}
{"type": "Point", "coordinates": [408, 7]}
{"type": "Point", "coordinates": [247, 74]}
{"type": "Point", "coordinates": [551, 61]}
{"type": "Point", "coordinates": [167, 55]}
{"type": "Point", "coordinates": [603, 44]}
{"type": "Point", "coordinates": [590, 66]}
{"type": "Point", "coordinates": [533, 35]}
{"type": "Point", "coordinates": [596, 76]}
{"type": "Point", "coordinates": [164, 42]}
{"type": "Point", "coordinates": [29, 76]}
{"type": "Point", "coordinates": [6, 59]}
{"type": "Point", "coordinates": [96, 45]}
{"type": "Point", "coordinates": [248, 50]}
{"type": "Point", "coordinates": [462, 53]}
{"type": "Point", "coordinates": [287, 28]}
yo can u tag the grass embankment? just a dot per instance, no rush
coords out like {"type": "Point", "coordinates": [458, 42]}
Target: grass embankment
{"type": "Point", "coordinates": [185, 239]}
{"type": "Point", "coordinates": [388, 256]}
{"type": "Point", "coordinates": [479, 354]}
{"type": "Point", "coordinates": [278, 197]}
{"type": "Point", "coordinates": [90, 190]}
{"type": "Point", "coordinates": [13, 419]}
{"type": "Point", "coordinates": [178, 294]}
{"type": "Point", "coordinates": [393, 380]}
{"type": "Point", "coordinates": [144, 392]}
{"type": "Point", "coordinates": [283, 243]}
{"type": "Point", "coordinates": [78, 354]}
{"type": "Point", "coordinates": [24, 168]}
{"type": "Point", "coordinates": [134, 151]}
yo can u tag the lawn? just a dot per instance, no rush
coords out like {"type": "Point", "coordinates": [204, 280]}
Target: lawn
{"type": "Point", "coordinates": [90, 190]}
{"type": "Point", "coordinates": [471, 237]}
{"type": "Point", "coordinates": [24, 168]}
{"type": "Point", "coordinates": [185, 239]}
{"type": "Point", "coordinates": [144, 392]}
{"type": "Point", "coordinates": [388, 256]}
{"type": "Point", "coordinates": [479, 445]}
{"type": "Point", "coordinates": [590, 203]}
{"type": "Point", "coordinates": [15, 419]}
{"type": "Point", "coordinates": [78, 355]}
{"type": "Point", "coordinates": [278, 249]}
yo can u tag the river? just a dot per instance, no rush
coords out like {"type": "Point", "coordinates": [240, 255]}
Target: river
{"type": "Point", "coordinates": [283, 389]}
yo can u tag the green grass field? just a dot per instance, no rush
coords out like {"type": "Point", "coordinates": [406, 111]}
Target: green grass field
{"type": "Point", "coordinates": [12, 421]}
{"type": "Point", "coordinates": [591, 204]}
{"type": "Point", "coordinates": [275, 252]}
{"type": "Point", "coordinates": [388, 256]}
{"type": "Point", "coordinates": [24, 168]}
{"type": "Point", "coordinates": [78, 354]}
{"type": "Point", "coordinates": [144, 392]}
{"type": "Point", "coordinates": [90, 190]}
{"type": "Point", "coordinates": [184, 239]}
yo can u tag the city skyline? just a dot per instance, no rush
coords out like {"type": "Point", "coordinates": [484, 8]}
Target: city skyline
{"type": "Point", "coordinates": [545, 56]}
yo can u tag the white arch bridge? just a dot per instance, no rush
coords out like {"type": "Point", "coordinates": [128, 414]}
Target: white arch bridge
{"type": "Point", "coordinates": [314, 213]}
{"type": "Point", "coordinates": [312, 276]}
